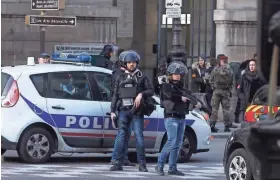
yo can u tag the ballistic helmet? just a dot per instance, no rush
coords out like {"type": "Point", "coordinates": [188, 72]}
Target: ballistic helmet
{"type": "Point", "coordinates": [130, 56]}
{"type": "Point", "coordinates": [177, 68]}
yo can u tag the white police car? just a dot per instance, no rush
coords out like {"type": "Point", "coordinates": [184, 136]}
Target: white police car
{"type": "Point", "coordinates": [49, 108]}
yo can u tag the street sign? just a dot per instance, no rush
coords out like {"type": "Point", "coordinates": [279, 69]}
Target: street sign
{"type": "Point", "coordinates": [173, 3]}
{"type": "Point", "coordinates": [173, 13]}
{"type": "Point", "coordinates": [37, 20]}
{"type": "Point", "coordinates": [47, 4]}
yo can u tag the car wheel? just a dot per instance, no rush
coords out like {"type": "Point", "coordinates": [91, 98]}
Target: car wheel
{"type": "Point", "coordinates": [238, 166]}
{"type": "Point", "coordinates": [3, 151]}
{"type": "Point", "coordinates": [36, 146]}
{"type": "Point", "coordinates": [186, 149]}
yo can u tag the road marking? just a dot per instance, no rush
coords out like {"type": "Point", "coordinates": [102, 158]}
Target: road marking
{"type": "Point", "coordinates": [208, 172]}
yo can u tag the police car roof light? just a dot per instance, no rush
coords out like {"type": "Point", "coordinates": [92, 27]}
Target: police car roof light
{"type": "Point", "coordinates": [76, 59]}
{"type": "Point", "coordinates": [30, 61]}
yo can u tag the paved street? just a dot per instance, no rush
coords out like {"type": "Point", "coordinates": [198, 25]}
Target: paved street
{"type": "Point", "coordinates": [95, 166]}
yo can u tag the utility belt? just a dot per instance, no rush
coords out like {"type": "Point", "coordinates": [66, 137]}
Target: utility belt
{"type": "Point", "coordinates": [222, 87]}
{"type": "Point", "coordinates": [175, 115]}
{"type": "Point", "coordinates": [125, 108]}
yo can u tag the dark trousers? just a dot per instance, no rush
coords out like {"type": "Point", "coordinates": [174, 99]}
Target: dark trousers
{"type": "Point", "coordinates": [208, 99]}
{"type": "Point", "coordinates": [122, 138]}
{"type": "Point", "coordinates": [237, 110]}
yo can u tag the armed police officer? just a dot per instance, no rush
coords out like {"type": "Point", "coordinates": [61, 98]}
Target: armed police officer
{"type": "Point", "coordinates": [175, 101]}
{"type": "Point", "coordinates": [222, 81]}
{"type": "Point", "coordinates": [131, 89]}
{"type": "Point", "coordinates": [120, 69]}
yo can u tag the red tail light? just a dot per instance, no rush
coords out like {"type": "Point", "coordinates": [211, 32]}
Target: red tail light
{"type": "Point", "coordinates": [12, 96]}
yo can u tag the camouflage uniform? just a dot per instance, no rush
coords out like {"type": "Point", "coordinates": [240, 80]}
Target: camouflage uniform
{"type": "Point", "coordinates": [221, 94]}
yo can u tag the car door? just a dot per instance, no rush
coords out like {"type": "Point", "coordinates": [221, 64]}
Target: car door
{"type": "Point", "coordinates": [70, 104]}
{"type": "Point", "coordinates": [103, 82]}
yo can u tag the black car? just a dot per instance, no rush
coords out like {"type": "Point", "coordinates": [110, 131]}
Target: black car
{"type": "Point", "coordinates": [239, 163]}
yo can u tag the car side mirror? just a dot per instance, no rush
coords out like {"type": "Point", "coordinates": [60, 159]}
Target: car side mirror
{"type": "Point", "coordinates": [257, 101]}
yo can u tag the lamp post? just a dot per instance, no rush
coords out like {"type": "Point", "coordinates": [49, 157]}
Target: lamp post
{"type": "Point", "coordinates": [178, 53]}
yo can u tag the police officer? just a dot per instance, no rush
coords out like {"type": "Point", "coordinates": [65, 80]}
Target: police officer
{"type": "Point", "coordinates": [44, 58]}
{"type": "Point", "coordinates": [175, 103]}
{"type": "Point", "coordinates": [221, 80]}
{"type": "Point", "coordinates": [131, 88]}
{"type": "Point", "coordinates": [116, 73]}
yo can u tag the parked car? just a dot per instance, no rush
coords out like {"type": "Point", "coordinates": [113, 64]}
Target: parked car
{"type": "Point", "coordinates": [49, 108]}
{"type": "Point", "coordinates": [259, 108]}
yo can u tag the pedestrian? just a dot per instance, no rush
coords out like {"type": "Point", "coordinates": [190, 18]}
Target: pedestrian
{"type": "Point", "coordinates": [175, 104]}
{"type": "Point", "coordinates": [250, 82]}
{"type": "Point", "coordinates": [221, 80]}
{"type": "Point", "coordinates": [131, 89]}
{"type": "Point", "coordinates": [208, 89]}
{"type": "Point", "coordinates": [198, 74]}
{"type": "Point", "coordinates": [110, 54]}
{"type": "Point", "coordinates": [115, 74]}
{"type": "Point", "coordinates": [44, 58]}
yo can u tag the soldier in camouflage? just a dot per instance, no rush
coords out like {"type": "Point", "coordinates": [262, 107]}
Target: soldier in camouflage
{"type": "Point", "coordinates": [222, 81]}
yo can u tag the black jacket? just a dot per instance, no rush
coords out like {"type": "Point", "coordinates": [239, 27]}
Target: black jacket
{"type": "Point", "coordinates": [143, 86]}
{"type": "Point", "coordinates": [171, 98]}
{"type": "Point", "coordinates": [245, 93]}
{"type": "Point", "coordinates": [115, 75]}
{"type": "Point", "coordinates": [198, 83]}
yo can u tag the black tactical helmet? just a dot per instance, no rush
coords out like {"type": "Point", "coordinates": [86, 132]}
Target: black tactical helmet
{"type": "Point", "coordinates": [130, 56]}
{"type": "Point", "coordinates": [177, 68]}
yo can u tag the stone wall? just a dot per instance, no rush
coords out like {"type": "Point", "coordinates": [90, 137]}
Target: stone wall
{"type": "Point", "coordinates": [98, 22]}
{"type": "Point", "coordinates": [236, 28]}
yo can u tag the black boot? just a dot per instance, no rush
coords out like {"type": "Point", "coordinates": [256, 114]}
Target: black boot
{"type": "Point", "coordinates": [227, 129]}
{"type": "Point", "coordinates": [176, 173]}
{"type": "Point", "coordinates": [159, 170]}
{"type": "Point", "coordinates": [143, 168]}
{"type": "Point", "coordinates": [116, 167]}
{"type": "Point", "coordinates": [236, 120]}
{"type": "Point", "coordinates": [242, 114]}
{"type": "Point", "coordinates": [213, 128]}
{"type": "Point", "coordinates": [232, 126]}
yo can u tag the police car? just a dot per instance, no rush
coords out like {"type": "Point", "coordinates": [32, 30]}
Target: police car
{"type": "Point", "coordinates": [49, 108]}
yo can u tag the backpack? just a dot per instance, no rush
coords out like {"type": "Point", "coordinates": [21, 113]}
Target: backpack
{"type": "Point", "coordinates": [223, 76]}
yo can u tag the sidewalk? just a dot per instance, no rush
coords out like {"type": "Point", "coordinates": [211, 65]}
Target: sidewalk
{"type": "Point", "coordinates": [221, 134]}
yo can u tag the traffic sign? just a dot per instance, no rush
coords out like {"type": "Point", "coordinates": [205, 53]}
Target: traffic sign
{"type": "Point", "coordinates": [37, 20]}
{"type": "Point", "coordinates": [173, 13]}
{"type": "Point", "coordinates": [173, 3]}
{"type": "Point", "coordinates": [47, 4]}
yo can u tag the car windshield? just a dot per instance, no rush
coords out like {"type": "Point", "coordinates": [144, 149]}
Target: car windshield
{"type": "Point", "coordinates": [261, 97]}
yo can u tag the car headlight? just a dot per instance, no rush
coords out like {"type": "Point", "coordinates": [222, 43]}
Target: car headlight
{"type": "Point", "coordinates": [200, 114]}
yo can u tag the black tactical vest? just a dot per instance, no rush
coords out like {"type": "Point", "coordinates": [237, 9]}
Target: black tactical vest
{"type": "Point", "coordinates": [128, 90]}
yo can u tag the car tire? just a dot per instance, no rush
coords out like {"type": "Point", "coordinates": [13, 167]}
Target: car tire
{"type": "Point", "coordinates": [3, 151]}
{"type": "Point", "coordinates": [237, 161]}
{"type": "Point", "coordinates": [36, 146]}
{"type": "Point", "coordinates": [187, 148]}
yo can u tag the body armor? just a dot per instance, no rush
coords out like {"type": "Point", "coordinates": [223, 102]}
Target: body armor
{"type": "Point", "coordinates": [128, 90]}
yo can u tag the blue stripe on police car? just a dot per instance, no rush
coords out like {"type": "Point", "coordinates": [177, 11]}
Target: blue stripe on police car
{"type": "Point", "coordinates": [89, 122]}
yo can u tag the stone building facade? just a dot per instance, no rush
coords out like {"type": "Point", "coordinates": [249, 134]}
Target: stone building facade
{"type": "Point", "coordinates": [132, 24]}
{"type": "Point", "coordinates": [98, 22]}
{"type": "Point", "coordinates": [236, 28]}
